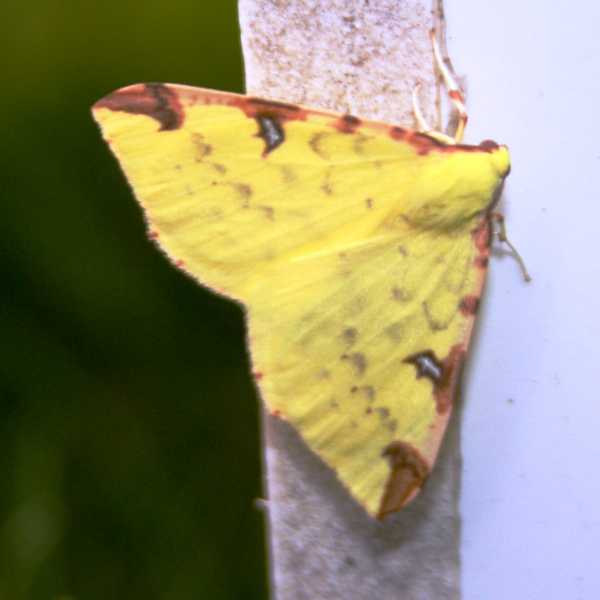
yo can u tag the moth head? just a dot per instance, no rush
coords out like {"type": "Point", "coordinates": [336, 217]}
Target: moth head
{"type": "Point", "coordinates": [499, 156]}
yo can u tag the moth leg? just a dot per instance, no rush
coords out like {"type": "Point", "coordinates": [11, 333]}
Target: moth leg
{"type": "Point", "coordinates": [501, 233]}
{"type": "Point", "coordinates": [454, 92]}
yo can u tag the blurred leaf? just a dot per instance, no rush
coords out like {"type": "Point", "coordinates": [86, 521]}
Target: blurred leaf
{"type": "Point", "coordinates": [125, 475]}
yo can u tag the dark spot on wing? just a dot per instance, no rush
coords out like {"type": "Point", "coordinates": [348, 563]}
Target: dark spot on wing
{"type": "Point", "coordinates": [270, 131]}
{"type": "Point", "coordinates": [427, 365]}
{"type": "Point", "coordinates": [444, 375]}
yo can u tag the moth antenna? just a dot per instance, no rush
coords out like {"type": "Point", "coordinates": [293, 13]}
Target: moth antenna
{"type": "Point", "coordinates": [419, 118]}
{"type": "Point", "coordinates": [423, 126]}
{"type": "Point", "coordinates": [454, 91]}
{"type": "Point", "coordinates": [502, 237]}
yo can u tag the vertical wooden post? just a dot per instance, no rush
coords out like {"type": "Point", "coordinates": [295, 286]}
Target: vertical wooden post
{"type": "Point", "coordinates": [363, 57]}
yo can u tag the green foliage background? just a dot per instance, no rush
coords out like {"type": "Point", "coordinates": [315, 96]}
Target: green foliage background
{"type": "Point", "coordinates": [129, 436]}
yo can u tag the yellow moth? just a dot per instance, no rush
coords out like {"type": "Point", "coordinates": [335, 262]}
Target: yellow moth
{"type": "Point", "coordinates": [358, 249]}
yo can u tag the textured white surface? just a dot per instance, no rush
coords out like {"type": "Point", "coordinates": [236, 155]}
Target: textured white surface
{"type": "Point", "coordinates": [530, 496]}
{"type": "Point", "coordinates": [364, 58]}
{"type": "Point", "coordinates": [345, 55]}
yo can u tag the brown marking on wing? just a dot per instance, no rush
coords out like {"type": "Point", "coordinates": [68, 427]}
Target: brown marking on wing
{"type": "Point", "coordinates": [287, 174]}
{"type": "Point", "coordinates": [409, 471]}
{"type": "Point", "coordinates": [400, 294]}
{"type": "Point", "coordinates": [481, 262]}
{"type": "Point", "coordinates": [359, 142]}
{"type": "Point", "coordinates": [202, 148]}
{"type": "Point", "coordinates": [347, 124]}
{"type": "Point", "coordinates": [350, 335]}
{"type": "Point", "coordinates": [324, 374]}
{"type": "Point", "coordinates": [367, 390]}
{"type": "Point", "coordinates": [270, 116]}
{"type": "Point", "coordinates": [435, 324]}
{"type": "Point", "coordinates": [262, 104]}
{"type": "Point", "coordinates": [395, 331]}
{"type": "Point", "coordinates": [155, 100]}
{"type": "Point", "coordinates": [164, 103]}
{"type": "Point", "coordinates": [489, 145]}
{"type": "Point", "coordinates": [452, 369]}
{"type": "Point", "coordinates": [269, 212]}
{"type": "Point", "coordinates": [315, 144]}
{"type": "Point", "coordinates": [424, 144]}
{"type": "Point", "coordinates": [398, 133]}
{"type": "Point", "coordinates": [469, 305]}
{"type": "Point", "coordinates": [383, 412]}
{"type": "Point", "coordinates": [326, 188]}
{"type": "Point", "coordinates": [259, 107]}
{"type": "Point", "coordinates": [357, 360]}
{"type": "Point", "coordinates": [218, 167]}
{"type": "Point", "coordinates": [482, 238]}
{"type": "Point", "coordinates": [243, 190]}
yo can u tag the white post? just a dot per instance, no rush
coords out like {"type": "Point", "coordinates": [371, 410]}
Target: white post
{"type": "Point", "coordinates": [363, 57]}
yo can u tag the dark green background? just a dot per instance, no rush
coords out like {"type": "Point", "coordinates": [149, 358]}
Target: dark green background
{"type": "Point", "coordinates": [129, 437]}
